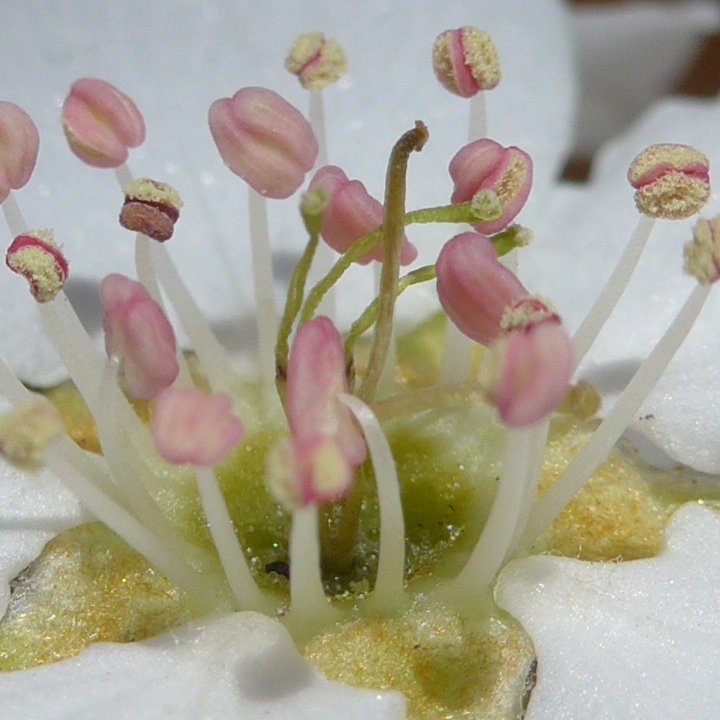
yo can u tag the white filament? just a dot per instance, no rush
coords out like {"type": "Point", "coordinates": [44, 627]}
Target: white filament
{"type": "Point", "coordinates": [389, 583]}
{"type": "Point", "coordinates": [308, 603]}
{"type": "Point", "coordinates": [617, 282]}
{"type": "Point", "coordinates": [597, 448]}
{"type": "Point", "coordinates": [231, 555]}
{"type": "Point", "coordinates": [266, 318]}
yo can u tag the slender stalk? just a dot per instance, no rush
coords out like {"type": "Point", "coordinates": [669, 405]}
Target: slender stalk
{"type": "Point", "coordinates": [552, 503]}
{"type": "Point", "coordinates": [146, 274]}
{"type": "Point", "coordinates": [477, 117]}
{"type": "Point", "coordinates": [614, 288]}
{"type": "Point", "coordinates": [393, 228]}
{"type": "Point", "coordinates": [308, 604]}
{"type": "Point", "coordinates": [452, 214]}
{"type": "Point", "coordinates": [135, 534]}
{"type": "Point", "coordinates": [293, 303]}
{"type": "Point", "coordinates": [265, 311]}
{"type": "Point", "coordinates": [390, 579]}
{"type": "Point", "coordinates": [131, 473]}
{"type": "Point", "coordinates": [369, 315]}
{"type": "Point", "coordinates": [13, 216]}
{"type": "Point", "coordinates": [488, 554]}
{"type": "Point", "coordinates": [231, 555]}
{"type": "Point", "coordinates": [220, 374]}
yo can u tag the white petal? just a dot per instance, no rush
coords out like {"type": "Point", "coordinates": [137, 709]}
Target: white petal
{"type": "Point", "coordinates": [631, 54]}
{"type": "Point", "coordinates": [238, 666]}
{"type": "Point", "coordinates": [626, 641]}
{"type": "Point", "coordinates": [175, 59]}
{"type": "Point", "coordinates": [685, 406]}
{"type": "Point", "coordinates": [33, 508]}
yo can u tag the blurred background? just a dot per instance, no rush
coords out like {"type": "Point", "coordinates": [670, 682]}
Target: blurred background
{"type": "Point", "coordinates": [631, 53]}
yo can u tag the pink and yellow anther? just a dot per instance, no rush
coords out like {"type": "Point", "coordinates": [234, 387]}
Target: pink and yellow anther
{"type": "Point", "coordinates": [317, 462]}
{"type": "Point", "coordinates": [192, 427]}
{"type": "Point", "coordinates": [351, 213]}
{"type": "Point", "coordinates": [487, 165]}
{"type": "Point", "coordinates": [101, 123]}
{"type": "Point", "coordinates": [139, 336]}
{"type": "Point", "coordinates": [466, 61]}
{"type": "Point", "coordinates": [264, 140]}
{"type": "Point", "coordinates": [19, 144]}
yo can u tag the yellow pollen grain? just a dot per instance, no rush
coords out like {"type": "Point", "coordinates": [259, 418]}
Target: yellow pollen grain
{"type": "Point", "coordinates": [527, 313]}
{"type": "Point", "coordinates": [330, 469]}
{"type": "Point", "coordinates": [147, 190]}
{"type": "Point", "coordinates": [481, 56]}
{"type": "Point", "coordinates": [37, 263]}
{"type": "Point", "coordinates": [330, 67]}
{"type": "Point", "coordinates": [674, 196]}
{"type": "Point", "coordinates": [512, 179]}
{"type": "Point", "coordinates": [677, 156]}
{"type": "Point", "coordinates": [442, 61]}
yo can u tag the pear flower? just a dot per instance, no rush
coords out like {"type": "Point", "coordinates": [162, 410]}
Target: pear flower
{"type": "Point", "coordinates": [245, 663]}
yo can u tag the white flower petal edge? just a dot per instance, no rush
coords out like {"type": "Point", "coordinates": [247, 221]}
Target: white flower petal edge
{"type": "Point", "coordinates": [33, 508]}
{"type": "Point", "coordinates": [626, 641]}
{"type": "Point", "coordinates": [237, 666]}
{"type": "Point", "coordinates": [682, 415]}
{"type": "Point", "coordinates": [174, 59]}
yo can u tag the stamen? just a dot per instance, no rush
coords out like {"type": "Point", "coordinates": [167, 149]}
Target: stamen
{"type": "Point", "coordinates": [25, 432]}
{"type": "Point", "coordinates": [671, 182]}
{"type": "Point", "coordinates": [191, 427]}
{"type": "Point", "coordinates": [151, 208]}
{"type": "Point", "coordinates": [487, 165]}
{"type": "Point", "coordinates": [37, 258]}
{"type": "Point", "coordinates": [351, 213]}
{"type": "Point", "coordinates": [139, 335]}
{"type": "Point", "coordinates": [466, 63]}
{"type": "Point", "coordinates": [318, 63]}
{"type": "Point", "coordinates": [19, 144]}
{"type": "Point", "coordinates": [497, 534]}
{"type": "Point", "coordinates": [269, 144]}
{"type": "Point", "coordinates": [389, 582]}
{"type": "Point", "coordinates": [550, 505]}
{"type": "Point", "coordinates": [309, 608]}
{"type": "Point", "coordinates": [101, 123]}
